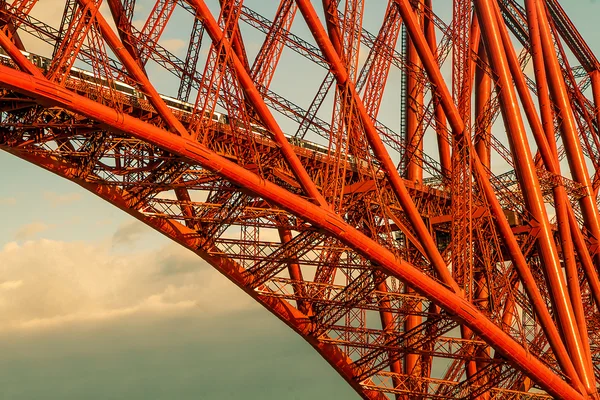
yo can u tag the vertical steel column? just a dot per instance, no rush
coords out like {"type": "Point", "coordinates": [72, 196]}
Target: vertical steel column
{"type": "Point", "coordinates": [443, 141]}
{"type": "Point", "coordinates": [483, 91]}
{"type": "Point", "coordinates": [547, 115]}
{"type": "Point", "coordinates": [568, 127]}
{"type": "Point", "coordinates": [530, 187]}
{"type": "Point", "coordinates": [389, 326]}
{"type": "Point", "coordinates": [414, 165]}
{"type": "Point", "coordinates": [342, 77]}
{"type": "Point", "coordinates": [296, 275]}
{"type": "Point", "coordinates": [595, 79]}
{"type": "Point", "coordinates": [414, 107]}
{"type": "Point", "coordinates": [482, 143]}
{"type": "Point", "coordinates": [461, 181]}
{"type": "Point", "coordinates": [529, 283]}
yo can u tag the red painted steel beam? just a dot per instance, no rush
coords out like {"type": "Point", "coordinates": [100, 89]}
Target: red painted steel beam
{"type": "Point", "coordinates": [253, 95]}
{"type": "Point", "coordinates": [572, 37]}
{"type": "Point", "coordinates": [414, 167]}
{"type": "Point", "coordinates": [19, 7]}
{"type": "Point", "coordinates": [585, 258]}
{"type": "Point", "coordinates": [381, 54]}
{"type": "Point", "coordinates": [414, 105]}
{"type": "Point", "coordinates": [18, 57]}
{"type": "Point", "coordinates": [430, 65]}
{"type": "Point", "coordinates": [562, 205]}
{"type": "Point", "coordinates": [483, 92]}
{"type": "Point", "coordinates": [296, 275]}
{"type": "Point", "coordinates": [457, 126]}
{"type": "Point", "coordinates": [342, 77]}
{"type": "Point", "coordinates": [124, 28]}
{"type": "Point", "coordinates": [76, 25]}
{"type": "Point", "coordinates": [547, 120]}
{"type": "Point", "coordinates": [262, 73]}
{"type": "Point", "coordinates": [474, 46]}
{"type": "Point", "coordinates": [568, 127]}
{"type": "Point", "coordinates": [573, 149]}
{"type": "Point", "coordinates": [237, 43]}
{"type": "Point", "coordinates": [532, 193]}
{"type": "Point", "coordinates": [137, 73]}
{"type": "Point", "coordinates": [155, 25]}
{"type": "Point", "coordinates": [390, 327]}
{"type": "Point", "coordinates": [266, 60]}
{"type": "Point", "coordinates": [14, 35]}
{"type": "Point", "coordinates": [460, 183]}
{"type": "Point", "coordinates": [330, 8]}
{"type": "Point", "coordinates": [545, 104]}
{"type": "Point", "coordinates": [322, 218]}
{"type": "Point", "coordinates": [595, 79]}
{"type": "Point", "coordinates": [380, 58]}
{"type": "Point", "coordinates": [542, 140]}
{"type": "Point", "coordinates": [443, 141]}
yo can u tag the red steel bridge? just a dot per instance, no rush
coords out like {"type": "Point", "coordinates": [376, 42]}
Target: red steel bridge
{"type": "Point", "coordinates": [415, 194]}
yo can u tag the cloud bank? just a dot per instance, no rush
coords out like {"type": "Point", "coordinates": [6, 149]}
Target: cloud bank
{"type": "Point", "coordinates": [49, 284]}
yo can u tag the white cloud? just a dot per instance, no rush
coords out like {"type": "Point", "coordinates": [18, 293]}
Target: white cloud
{"type": "Point", "coordinates": [10, 285]}
{"type": "Point", "coordinates": [8, 201]}
{"type": "Point", "coordinates": [50, 12]}
{"type": "Point", "coordinates": [51, 284]}
{"type": "Point", "coordinates": [173, 45]}
{"type": "Point", "coordinates": [30, 230]}
{"type": "Point", "coordinates": [138, 23]}
{"type": "Point", "coordinates": [60, 199]}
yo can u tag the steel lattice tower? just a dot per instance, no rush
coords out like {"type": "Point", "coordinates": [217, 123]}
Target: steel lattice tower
{"type": "Point", "coordinates": [453, 255]}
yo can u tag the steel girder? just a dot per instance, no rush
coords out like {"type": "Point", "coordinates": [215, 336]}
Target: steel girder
{"type": "Point", "coordinates": [361, 268]}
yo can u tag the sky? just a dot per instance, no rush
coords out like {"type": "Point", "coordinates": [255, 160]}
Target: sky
{"type": "Point", "coordinates": [95, 305]}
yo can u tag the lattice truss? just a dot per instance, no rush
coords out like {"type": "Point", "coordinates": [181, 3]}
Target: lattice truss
{"type": "Point", "coordinates": [445, 247]}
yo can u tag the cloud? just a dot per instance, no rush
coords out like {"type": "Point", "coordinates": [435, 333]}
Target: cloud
{"type": "Point", "coordinates": [138, 23]}
{"type": "Point", "coordinates": [61, 199]}
{"type": "Point", "coordinates": [173, 45]}
{"type": "Point", "coordinates": [129, 233]}
{"type": "Point", "coordinates": [151, 305]}
{"type": "Point", "coordinates": [53, 284]}
{"type": "Point", "coordinates": [50, 12]}
{"type": "Point", "coordinates": [10, 285]}
{"type": "Point", "coordinates": [8, 201]}
{"type": "Point", "coordinates": [30, 230]}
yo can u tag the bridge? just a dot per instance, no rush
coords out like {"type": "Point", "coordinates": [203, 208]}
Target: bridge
{"type": "Point", "coordinates": [454, 256]}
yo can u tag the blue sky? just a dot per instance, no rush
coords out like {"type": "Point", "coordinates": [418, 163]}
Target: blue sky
{"type": "Point", "coordinates": [95, 305]}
